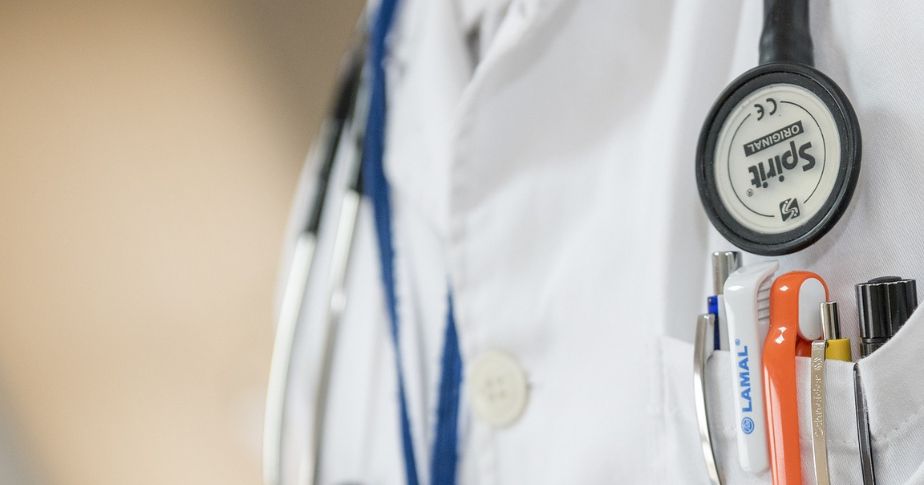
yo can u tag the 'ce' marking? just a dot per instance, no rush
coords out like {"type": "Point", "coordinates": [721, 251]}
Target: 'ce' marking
{"type": "Point", "coordinates": [760, 108]}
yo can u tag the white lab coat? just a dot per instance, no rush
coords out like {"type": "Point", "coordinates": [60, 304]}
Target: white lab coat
{"type": "Point", "coordinates": [551, 184]}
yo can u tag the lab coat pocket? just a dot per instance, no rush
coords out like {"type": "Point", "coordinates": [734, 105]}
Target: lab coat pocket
{"type": "Point", "coordinates": [894, 389]}
{"type": "Point", "coordinates": [678, 434]}
{"type": "Point", "coordinates": [677, 439]}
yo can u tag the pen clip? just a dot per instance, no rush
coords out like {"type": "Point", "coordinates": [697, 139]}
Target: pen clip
{"type": "Point", "coordinates": [863, 435]}
{"type": "Point", "coordinates": [702, 350]}
{"type": "Point", "coordinates": [819, 429]}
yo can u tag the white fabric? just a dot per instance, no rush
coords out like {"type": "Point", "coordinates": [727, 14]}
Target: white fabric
{"type": "Point", "coordinates": [550, 183]}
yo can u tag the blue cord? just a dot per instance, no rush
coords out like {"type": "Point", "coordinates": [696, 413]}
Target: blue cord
{"type": "Point", "coordinates": [445, 455]}
{"type": "Point", "coordinates": [375, 185]}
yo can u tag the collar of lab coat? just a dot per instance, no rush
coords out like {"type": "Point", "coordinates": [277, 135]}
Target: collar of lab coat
{"type": "Point", "coordinates": [421, 147]}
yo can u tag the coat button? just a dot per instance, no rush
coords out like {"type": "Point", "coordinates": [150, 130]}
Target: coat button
{"type": "Point", "coordinates": [497, 388]}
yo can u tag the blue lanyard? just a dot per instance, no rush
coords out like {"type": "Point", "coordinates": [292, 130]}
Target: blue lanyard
{"type": "Point", "coordinates": [443, 464]}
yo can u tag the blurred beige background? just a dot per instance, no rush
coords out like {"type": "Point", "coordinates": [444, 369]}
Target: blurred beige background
{"type": "Point", "coordinates": [148, 154]}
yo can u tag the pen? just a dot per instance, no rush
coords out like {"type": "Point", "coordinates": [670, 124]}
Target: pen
{"type": "Point", "coordinates": [832, 347]}
{"type": "Point", "coordinates": [709, 338]}
{"type": "Point", "coordinates": [883, 304]}
{"type": "Point", "coordinates": [747, 308]}
{"type": "Point", "coordinates": [794, 323]}
{"type": "Point", "coordinates": [702, 350]}
{"type": "Point", "coordinates": [837, 347]}
{"type": "Point", "coordinates": [819, 426]}
{"type": "Point", "coordinates": [724, 263]}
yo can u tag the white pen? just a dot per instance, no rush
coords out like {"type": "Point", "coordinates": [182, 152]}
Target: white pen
{"type": "Point", "coordinates": [747, 309]}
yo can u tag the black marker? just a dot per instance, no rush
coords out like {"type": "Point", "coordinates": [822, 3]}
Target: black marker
{"type": "Point", "coordinates": [884, 305]}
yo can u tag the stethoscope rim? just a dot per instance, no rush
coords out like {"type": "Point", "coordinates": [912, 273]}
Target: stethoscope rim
{"type": "Point", "coordinates": [848, 128]}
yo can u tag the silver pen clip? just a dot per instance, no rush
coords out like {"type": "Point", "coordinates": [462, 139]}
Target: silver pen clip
{"type": "Point", "coordinates": [819, 431]}
{"type": "Point", "coordinates": [863, 434]}
{"type": "Point", "coordinates": [702, 350]}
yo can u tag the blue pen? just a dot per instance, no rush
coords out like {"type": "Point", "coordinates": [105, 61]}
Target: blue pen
{"type": "Point", "coordinates": [724, 263]}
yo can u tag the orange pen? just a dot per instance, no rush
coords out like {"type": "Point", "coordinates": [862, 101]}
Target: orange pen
{"type": "Point", "coordinates": [794, 323]}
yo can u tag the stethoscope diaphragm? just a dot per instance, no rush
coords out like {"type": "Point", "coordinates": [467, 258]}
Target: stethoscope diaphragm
{"type": "Point", "coordinates": [778, 158]}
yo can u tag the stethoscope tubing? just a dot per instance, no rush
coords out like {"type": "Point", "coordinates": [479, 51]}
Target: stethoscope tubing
{"type": "Point", "coordinates": [338, 128]}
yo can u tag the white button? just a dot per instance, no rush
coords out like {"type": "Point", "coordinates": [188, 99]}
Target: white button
{"type": "Point", "coordinates": [497, 388]}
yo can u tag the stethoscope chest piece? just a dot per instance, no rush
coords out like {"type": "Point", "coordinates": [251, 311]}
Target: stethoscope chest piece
{"type": "Point", "coordinates": [778, 158]}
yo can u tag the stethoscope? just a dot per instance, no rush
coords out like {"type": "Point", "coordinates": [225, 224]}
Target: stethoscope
{"type": "Point", "coordinates": [776, 165]}
{"type": "Point", "coordinates": [359, 118]}
{"type": "Point", "coordinates": [779, 153]}
{"type": "Point", "coordinates": [343, 125]}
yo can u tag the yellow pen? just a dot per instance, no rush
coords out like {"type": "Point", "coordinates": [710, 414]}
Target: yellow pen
{"type": "Point", "coordinates": [838, 348]}
{"type": "Point", "coordinates": [831, 347]}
